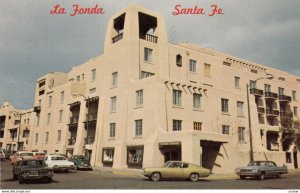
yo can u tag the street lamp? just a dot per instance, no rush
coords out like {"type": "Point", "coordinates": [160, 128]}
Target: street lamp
{"type": "Point", "coordinates": [269, 77]}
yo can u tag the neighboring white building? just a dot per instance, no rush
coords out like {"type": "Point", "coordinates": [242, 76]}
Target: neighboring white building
{"type": "Point", "coordinates": [145, 101]}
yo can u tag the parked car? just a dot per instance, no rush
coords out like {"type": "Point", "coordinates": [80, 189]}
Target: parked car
{"type": "Point", "coordinates": [39, 155]}
{"type": "Point", "coordinates": [261, 169]}
{"type": "Point", "coordinates": [19, 156]}
{"type": "Point", "coordinates": [2, 155]}
{"type": "Point", "coordinates": [176, 169]}
{"type": "Point", "coordinates": [81, 162]}
{"type": "Point", "coordinates": [35, 169]}
{"type": "Point", "coordinates": [58, 163]}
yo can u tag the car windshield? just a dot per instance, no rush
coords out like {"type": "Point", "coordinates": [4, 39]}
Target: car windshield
{"type": "Point", "coordinates": [32, 163]}
{"type": "Point", "coordinates": [58, 158]}
{"type": "Point", "coordinates": [40, 154]}
{"type": "Point", "coordinates": [82, 158]}
{"type": "Point", "coordinates": [26, 154]}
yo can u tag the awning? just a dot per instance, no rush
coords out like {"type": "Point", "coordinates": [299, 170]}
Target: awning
{"type": "Point", "coordinates": [211, 142]}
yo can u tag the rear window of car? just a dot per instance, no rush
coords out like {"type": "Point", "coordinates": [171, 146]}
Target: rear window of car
{"type": "Point", "coordinates": [58, 158]}
{"type": "Point", "coordinates": [184, 165]}
{"type": "Point", "coordinates": [26, 154]}
{"type": "Point", "coordinates": [32, 163]}
{"type": "Point", "coordinates": [40, 154]}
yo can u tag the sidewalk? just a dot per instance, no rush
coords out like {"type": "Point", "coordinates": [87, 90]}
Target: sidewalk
{"type": "Point", "coordinates": [137, 173]}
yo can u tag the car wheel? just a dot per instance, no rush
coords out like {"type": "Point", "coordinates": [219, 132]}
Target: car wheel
{"type": "Point", "coordinates": [194, 177]}
{"type": "Point", "coordinates": [262, 176]}
{"type": "Point", "coordinates": [242, 177]}
{"type": "Point", "coordinates": [278, 176]}
{"type": "Point", "coordinates": [67, 171]}
{"type": "Point", "coordinates": [21, 180]}
{"type": "Point", "coordinates": [155, 176]}
{"type": "Point", "coordinates": [49, 180]}
{"type": "Point", "coordinates": [75, 167]}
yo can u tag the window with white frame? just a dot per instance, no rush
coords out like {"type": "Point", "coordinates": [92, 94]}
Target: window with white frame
{"type": "Point", "coordinates": [47, 137]}
{"type": "Point", "coordinates": [237, 82]}
{"type": "Point", "coordinates": [93, 77]}
{"type": "Point", "coordinates": [252, 84]}
{"type": "Point", "coordinates": [138, 127]}
{"type": "Point", "coordinates": [177, 125]}
{"type": "Point", "coordinates": [108, 155]}
{"type": "Point", "coordinates": [112, 130]}
{"type": "Point", "coordinates": [58, 136]}
{"type": "Point", "coordinates": [60, 115]}
{"type": "Point", "coordinates": [267, 88]}
{"type": "Point", "coordinates": [240, 108]}
{"type": "Point", "coordinates": [197, 101]}
{"type": "Point", "coordinates": [139, 98]}
{"type": "Point", "coordinates": [225, 129]}
{"type": "Point", "coordinates": [148, 55]}
{"type": "Point", "coordinates": [62, 96]}
{"type": "Point", "coordinates": [241, 133]}
{"type": "Point", "coordinates": [48, 118]}
{"type": "Point", "coordinates": [224, 105]}
{"type": "Point", "coordinates": [113, 101]}
{"type": "Point", "coordinates": [192, 66]}
{"type": "Point", "coordinates": [207, 68]}
{"type": "Point", "coordinates": [114, 79]}
{"type": "Point", "coordinates": [280, 91]}
{"type": "Point", "coordinates": [177, 98]}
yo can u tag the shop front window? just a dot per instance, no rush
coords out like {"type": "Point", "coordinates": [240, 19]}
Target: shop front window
{"type": "Point", "coordinates": [108, 156]}
{"type": "Point", "coordinates": [135, 156]}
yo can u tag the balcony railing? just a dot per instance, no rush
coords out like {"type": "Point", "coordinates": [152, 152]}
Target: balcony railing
{"type": "Point", "coordinates": [37, 109]}
{"type": "Point", "coordinates": [72, 141]}
{"type": "Point", "coordinates": [149, 38]}
{"type": "Point", "coordinates": [285, 114]}
{"type": "Point", "coordinates": [89, 140]}
{"type": "Point", "coordinates": [74, 120]}
{"type": "Point", "coordinates": [271, 95]}
{"type": "Point", "coordinates": [91, 117]}
{"type": "Point", "coordinates": [117, 38]}
{"type": "Point", "coordinates": [256, 91]}
{"type": "Point", "coordinates": [261, 110]}
{"type": "Point", "coordinates": [285, 98]}
{"type": "Point", "coordinates": [271, 112]}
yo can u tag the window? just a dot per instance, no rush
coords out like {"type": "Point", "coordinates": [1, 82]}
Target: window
{"type": "Point", "coordinates": [280, 91]}
{"type": "Point", "coordinates": [252, 84]}
{"type": "Point", "coordinates": [36, 138]}
{"type": "Point", "coordinates": [179, 60]}
{"type": "Point", "coordinates": [148, 55]}
{"type": "Point", "coordinates": [177, 98]}
{"type": "Point", "coordinates": [112, 130]}
{"type": "Point", "coordinates": [49, 101]}
{"type": "Point", "coordinates": [60, 115]}
{"type": "Point", "coordinates": [224, 105]}
{"type": "Point", "coordinates": [226, 63]}
{"type": "Point", "coordinates": [108, 155]}
{"type": "Point", "coordinates": [197, 126]}
{"type": "Point", "coordinates": [146, 74]}
{"type": "Point", "coordinates": [138, 127]}
{"type": "Point", "coordinates": [237, 82]}
{"type": "Point", "coordinates": [26, 133]}
{"type": "Point", "coordinates": [294, 95]}
{"type": "Point", "coordinates": [113, 101]}
{"type": "Point", "coordinates": [92, 90]}
{"type": "Point", "coordinates": [281, 78]}
{"type": "Point", "coordinates": [38, 120]}
{"type": "Point", "coordinates": [295, 111]}
{"type": "Point", "coordinates": [288, 157]}
{"type": "Point", "coordinates": [177, 125]}
{"type": "Point", "coordinates": [135, 156]}
{"type": "Point", "coordinates": [48, 118]}
{"type": "Point", "coordinates": [197, 101]}
{"type": "Point", "coordinates": [207, 70]}
{"type": "Point", "coordinates": [192, 66]}
{"type": "Point", "coordinates": [62, 97]}
{"type": "Point", "coordinates": [241, 132]}
{"type": "Point", "coordinates": [93, 75]}
{"type": "Point", "coordinates": [47, 137]}
{"type": "Point", "coordinates": [58, 136]}
{"type": "Point", "coordinates": [78, 78]}
{"type": "Point", "coordinates": [114, 79]}
{"type": "Point", "coordinates": [254, 71]}
{"type": "Point", "coordinates": [225, 129]}
{"type": "Point", "coordinates": [240, 108]}
{"type": "Point", "coordinates": [267, 88]}
{"type": "Point", "coordinates": [139, 98]}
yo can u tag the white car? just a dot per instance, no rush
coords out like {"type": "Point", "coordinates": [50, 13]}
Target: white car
{"type": "Point", "coordinates": [58, 163]}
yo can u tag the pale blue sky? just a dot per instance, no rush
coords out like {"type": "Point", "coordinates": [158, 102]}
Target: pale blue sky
{"type": "Point", "coordinates": [34, 43]}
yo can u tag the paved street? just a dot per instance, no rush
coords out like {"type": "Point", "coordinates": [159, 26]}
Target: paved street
{"type": "Point", "coordinates": [101, 179]}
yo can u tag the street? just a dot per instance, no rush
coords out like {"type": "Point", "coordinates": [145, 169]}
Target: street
{"type": "Point", "coordinates": [98, 179]}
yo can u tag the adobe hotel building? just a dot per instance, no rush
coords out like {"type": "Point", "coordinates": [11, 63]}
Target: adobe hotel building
{"type": "Point", "coordinates": [145, 101]}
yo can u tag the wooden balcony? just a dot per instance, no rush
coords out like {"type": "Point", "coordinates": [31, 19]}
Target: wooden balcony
{"type": "Point", "coordinates": [273, 113]}
{"type": "Point", "coordinates": [271, 95]}
{"type": "Point", "coordinates": [256, 91]}
{"type": "Point", "coordinates": [261, 110]}
{"type": "Point", "coordinates": [285, 98]}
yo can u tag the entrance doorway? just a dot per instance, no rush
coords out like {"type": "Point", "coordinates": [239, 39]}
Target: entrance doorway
{"type": "Point", "coordinates": [295, 153]}
{"type": "Point", "coordinates": [171, 151]}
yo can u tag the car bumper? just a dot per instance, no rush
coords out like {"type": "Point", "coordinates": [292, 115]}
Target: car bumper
{"type": "Point", "coordinates": [62, 168]}
{"type": "Point", "coordinates": [248, 173]}
{"type": "Point", "coordinates": [146, 174]}
{"type": "Point", "coordinates": [28, 177]}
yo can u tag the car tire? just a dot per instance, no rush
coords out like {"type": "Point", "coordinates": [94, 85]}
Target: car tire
{"type": "Point", "coordinates": [49, 180]}
{"type": "Point", "coordinates": [75, 167]}
{"type": "Point", "coordinates": [242, 177]}
{"type": "Point", "coordinates": [15, 177]}
{"type": "Point", "coordinates": [155, 176]}
{"type": "Point", "coordinates": [21, 180]}
{"type": "Point", "coordinates": [278, 176]}
{"type": "Point", "coordinates": [262, 176]}
{"type": "Point", "coordinates": [194, 177]}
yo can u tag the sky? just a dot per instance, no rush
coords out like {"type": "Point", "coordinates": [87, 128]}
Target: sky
{"type": "Point", "coordinates": [34, 42]}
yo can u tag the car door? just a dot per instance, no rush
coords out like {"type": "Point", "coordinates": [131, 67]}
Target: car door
{"type": "Point", "coordinates": [174, 170]}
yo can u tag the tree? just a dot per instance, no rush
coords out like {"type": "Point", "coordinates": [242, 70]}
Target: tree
{"type": "Point", "coordinates": [290, 131]}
